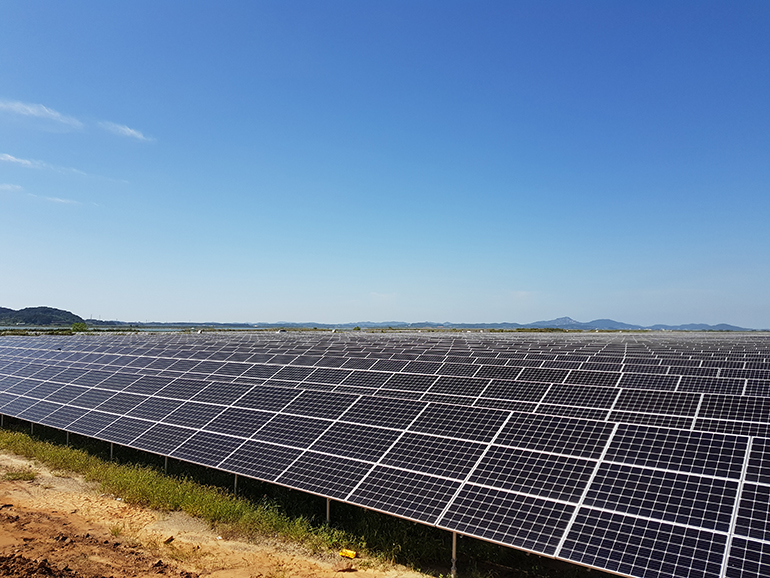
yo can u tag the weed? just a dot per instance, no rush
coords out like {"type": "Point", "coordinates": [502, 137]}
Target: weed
{"type": "Point", "coordinates": [26, 475]}
{"type": "Point", "coordinates": [117, 529]}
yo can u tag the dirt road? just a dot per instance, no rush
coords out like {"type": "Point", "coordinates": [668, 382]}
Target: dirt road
{"type": "Point", "coordinates": [60, 526]}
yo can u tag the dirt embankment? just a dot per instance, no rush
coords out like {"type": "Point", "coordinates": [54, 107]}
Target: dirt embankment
{"type": "Point", "coordinates": [61, 527]}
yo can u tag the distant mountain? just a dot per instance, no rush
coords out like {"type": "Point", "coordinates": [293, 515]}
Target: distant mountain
{"type": "Point", "coordinates": [566, 323]}
{"type": "Point", "coordinates": [611, 325]}
{"type": "Point", "coordinates": [569, 323]}
{"type": "Point", "coordinates": [563, 323]}
{"type": "Point", "coordinates": [698, 327]}
{"type": "Point", "coordinates": [38, 316]}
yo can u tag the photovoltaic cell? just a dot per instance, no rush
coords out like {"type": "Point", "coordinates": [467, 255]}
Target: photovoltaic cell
{"type": "Point", "coordinates": [222, 393]}
{"type": "Point", "coordinates": [294, 373]}
{"type": "Point", "coordinates": [359, 363]}
{"type": "Point", "coordinates": [571, 411]}
{"type": "Point", "coordinates": [581, 395]}
{"type": "Point", "coordinates": [118, 381]}
{"type": "Point", "coordinates": [410, 382]}
{"type": "Point", "coordinates": [355, 441]}
{"type": "Point", "coordinates": [291, 430]}
{"type": "Point", "coordinates": [261, 371]}
{"type": "Point", "coordinates": [748, 558]}
{"type": "Point", "coordinates": [66, 393]}
{"type": "Point", "coordinates": [327, 375]}
{"type": "Point", "coordinates": [685, 499]}
{"type": "Point", "coordinates": [194, 415]}
{"type": "Point", "coordinates": [458, 369]}
{"type": "Point", "coordinates": [581, 438]}
{"type": "Point", "coordinates": [678, 450]}
{"type": "Point", "coordinates": [207, 449]}
{"type": "Point", "coordinates": [476, 424]}
{"type": "Point", "coordinates": [432, 455]}
{"type": "Point", "coordinates": [389, 365]}
{"type": "Point", "coordinates": [267, 398]}
{"type": "Point", "coordinates": [416, 496]}
{"type": "Point", "coordinates": [498, 372]}
{"type": "Point", "coordinates": [459, 386]}
{"type": "Point", "coordinates": [515, 390]}
{"type": "Point", "coordinates": [121, 403]}
{"type": "Point", "coordinates": [521, 521]}
{"type": "Point", "coordinates": [711, 385]}
{"type": "Point", "coordinates": [735, 408]}
{"type": "Point", "coordinates": [740, 428]}
{"type": "Point", "coordinates": [148, 384]}
{"type": "Point", "coordinates": [260, 460]}
{"type": "Point", "coordinates": [543, 375]}
{"type": "Point", "coordinates": [651, 419]}
{"type": "Point", "coordinates": [92, 423]}
{"type": "Point", "coordinates": [43, 390]}
{"type": "Point", "coordinates": [640, 547]}
{"type": "Point", "coordinates": [63, 416]}
{"type": "Point", "coordinates": [154, 408]}
{"type": "Point", "coordinates": [123, 430]}
{"type": "Point", "coordinates": [665, 402]}
{"type": "Point", "coordinates": [183, 388]}
{"type": "Point", "coordinates": [759, 461]}
{"type": "Point", "coordinates": [239, 422]}
{"type": "Point", "coordinates": [38, 411]}
{"type": "Point", "coordinates": [394, 413]}
{"type": "Point", "coordinates": [753, 519]}
{"type": "Point", "coordinates": [329, 476]}
{"type": "Point", "coordinates": [372, 379]}
{"type": "Point", "coordinates": [599, 378]}
{"type": "Point", "coordinates": [320, 404]}
{"type": "Point", "coordinates": [557, 477]}
{"type": "Point", "coordinates": [92, 378]}
{"type": "Point", "coordinates": [162, 439]}
{"type": "Point", "coordinates": [648, 381]}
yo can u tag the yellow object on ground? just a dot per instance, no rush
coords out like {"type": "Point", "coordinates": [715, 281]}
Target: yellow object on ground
{"type": "Point", "coordinates": [348, 553]}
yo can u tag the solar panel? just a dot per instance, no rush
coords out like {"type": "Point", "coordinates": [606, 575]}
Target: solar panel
{"type": "Point", "coordinates": [644, 455]}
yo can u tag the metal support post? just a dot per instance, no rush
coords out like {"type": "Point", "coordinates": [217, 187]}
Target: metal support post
{"type": "Point", "coordinates": [328, 510]}
{"type": "Point", "coordinates": [31, 428]}
{"type": "Point", "coordinates": [165, 464]}
{"type": "Point", "coordinates": [235, 485]}
{"type": "Point", "coordinates": [454, 555]}
{"type": "Point", "coordinates": [1, 420]}
{"type": "Point", "coordinates": [112, 452]}
{"type": "Point", "coordinates": [68, 439]}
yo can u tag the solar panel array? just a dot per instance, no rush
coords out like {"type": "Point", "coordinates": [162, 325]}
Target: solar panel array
{"type": "Point", "coordinates": [640, 454]}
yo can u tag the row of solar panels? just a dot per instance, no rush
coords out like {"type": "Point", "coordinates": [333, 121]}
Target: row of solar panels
{"type": "Point", "coordinates": [601, 373]}
{"type": "Point", "coordinates": [632, 499]}
{"type": "Point", "coordinates": [576, 348]}
{"type": "Point", "coordinates": [742, 414]}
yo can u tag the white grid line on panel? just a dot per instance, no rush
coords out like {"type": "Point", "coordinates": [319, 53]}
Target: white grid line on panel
{"type": "Point", "coordinates": [585, 490]}
{"type": "Point", "coordinates": [545, 394]}
{"type": "Point", "coordinates": [736, 508]}
{"type": "Point", "coordinates": [697, 411]}
{"type": "Point", "coordinates": [379, 462]}
{"type": "Point", "coordinates": [472, 469]}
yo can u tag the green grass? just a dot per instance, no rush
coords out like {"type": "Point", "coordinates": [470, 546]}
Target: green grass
{"type": "Point", "coordinates": [145, 486]}
{"type": "Point", "coordinates": [20, 475]}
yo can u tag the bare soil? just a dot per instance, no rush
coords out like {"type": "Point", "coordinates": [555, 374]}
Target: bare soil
{"type": "Point", "coordinates": [62, 527]}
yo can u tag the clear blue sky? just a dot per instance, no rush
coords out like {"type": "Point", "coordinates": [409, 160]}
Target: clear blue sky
{"type": "Point", "coordinates": [346, 161]}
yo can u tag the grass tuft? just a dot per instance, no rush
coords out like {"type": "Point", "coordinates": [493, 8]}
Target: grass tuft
{"type": "Point", "coordinates": [26, 475]}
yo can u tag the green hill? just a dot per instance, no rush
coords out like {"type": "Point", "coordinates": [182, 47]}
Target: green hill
{"type": "Point", "coordinates": [38, 316]}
